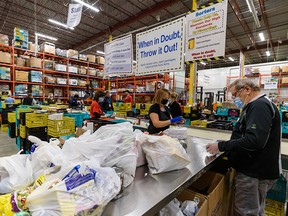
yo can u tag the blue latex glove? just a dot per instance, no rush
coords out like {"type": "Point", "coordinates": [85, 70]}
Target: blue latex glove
{"type": "Point", "coordinates": [176, 119]}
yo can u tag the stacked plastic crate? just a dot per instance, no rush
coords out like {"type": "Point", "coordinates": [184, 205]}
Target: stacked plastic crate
{"type": "Point", "coordinates": [20, 38]}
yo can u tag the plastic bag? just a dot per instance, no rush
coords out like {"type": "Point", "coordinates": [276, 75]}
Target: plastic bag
{"type": "Point", "coordinates": [15, 173]}
{"type": "Point", "coordinates": [164, 154]}
{"type": "Point", "coordinates": [171, 209]}
{"type": "Point", "coordinates": [176, 132]}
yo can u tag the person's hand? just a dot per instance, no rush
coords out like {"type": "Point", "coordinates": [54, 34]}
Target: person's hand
{"type": "Point", "coordinates": [176, 119]}
{"type": "Point", "coordinates": [212, 148]}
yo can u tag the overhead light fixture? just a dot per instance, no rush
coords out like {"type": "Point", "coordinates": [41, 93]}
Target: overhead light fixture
{"type": "Point", "coordinates": [268, 53]}
{"type": "Point", "coordinates": [100, 52]}
{"type": "Point", "coordinates": [203, 63]}
{"type": "Point", "coordinates": [231, 59]}
{"type": "Point", "coordinates": [87, 5]}
{"type": "Point", "coordinates": [261, 35]}
{"type": "Point", "coordinates": [46, 36]}
{"type": "Point", "coordinates": [134, 61]}
{"type": "Point", "coordinates": [59, 23]}
{"type": "Point", "coordinates": [253, 10]}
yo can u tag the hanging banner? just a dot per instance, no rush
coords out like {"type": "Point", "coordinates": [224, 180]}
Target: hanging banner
{"type": "Point", "coordinates": [119, 56]}
{"type": "Point", "coordinates": [74, 15]}
{"type": "Point", "coordinates": [241, 65]}
{"type": "Point", "coordinates": [206, 33]}
{"type": "Point", "coordinates": [161, 49]}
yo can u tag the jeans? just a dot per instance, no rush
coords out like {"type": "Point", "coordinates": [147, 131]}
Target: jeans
{"type": "Point", "coordinates": [250, 195]}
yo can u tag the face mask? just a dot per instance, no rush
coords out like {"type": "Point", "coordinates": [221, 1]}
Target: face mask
{"type": "Point", "coordinates": [238, 102]}
{"type": "Point", "coordinates": [101, 99]}
{"type": "Point", "coordinates": [164, 101]}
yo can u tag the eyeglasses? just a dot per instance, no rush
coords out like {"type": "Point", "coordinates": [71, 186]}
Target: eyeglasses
{"type": "Point", "coordinates": [234, 95]}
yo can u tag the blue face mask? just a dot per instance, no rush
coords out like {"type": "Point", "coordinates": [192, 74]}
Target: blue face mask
{"type": "Point", "coordinates": [238, 102]}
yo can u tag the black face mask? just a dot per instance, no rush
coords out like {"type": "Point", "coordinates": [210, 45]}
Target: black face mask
{"type": "Point", "coordinates": [164, 101]}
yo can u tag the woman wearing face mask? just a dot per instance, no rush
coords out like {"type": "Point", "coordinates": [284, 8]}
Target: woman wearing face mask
{"type": "Point", "coordinates": [174, 106]}
{"type": "Point", "coordinates": [159, 115]}
{"type": "Point", "coordinates": [95, 110]}
{"type": "Point", "coordinates": [107, 103]}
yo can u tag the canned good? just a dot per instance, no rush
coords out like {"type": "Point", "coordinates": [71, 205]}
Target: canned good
{"type": "Point", "coordinates": [120, 173]}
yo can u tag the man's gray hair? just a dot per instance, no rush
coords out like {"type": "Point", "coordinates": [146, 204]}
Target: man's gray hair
{"type": "Point", "coordinates": [241, 83]}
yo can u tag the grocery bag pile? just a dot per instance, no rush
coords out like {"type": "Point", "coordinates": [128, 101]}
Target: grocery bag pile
{"type": "Point", "coordinates": [79, 178]}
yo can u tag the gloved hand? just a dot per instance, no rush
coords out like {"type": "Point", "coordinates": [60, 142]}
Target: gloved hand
{"type": "Point", "coordinates": [176, 119]}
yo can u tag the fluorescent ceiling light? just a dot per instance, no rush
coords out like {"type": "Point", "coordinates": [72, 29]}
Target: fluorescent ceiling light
{"type": "Point", "coordinates": [249, 6]}
{"type": "Point", "coordinates": [87, 5]}
{"type": "Point", "coordinates": [231, 59]}
{"type": "Point", "coordinates": [46, 36]}
{"type": "Point", "coordinates": [203, 63]}
{"type": "Point", "coordinates": [268, 53]}
{"type": "Point", "coordinates": [261, 35]}
{"type": "Point", "coordinates": [59, 23]}
{"type": "Point", "coordinates": [100, 52]}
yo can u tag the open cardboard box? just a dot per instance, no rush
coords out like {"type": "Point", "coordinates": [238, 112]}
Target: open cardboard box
{"type": "Point", "coordinates": [211, 185]}
{"type": "Point", "coordinates": [190, 195]}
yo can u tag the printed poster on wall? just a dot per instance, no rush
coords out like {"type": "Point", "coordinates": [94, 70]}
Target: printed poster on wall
{"type": "Point", "coordinates": [271, 84]}
{"type": "Point", "coordinates": [161, 49]}
{"type": "Point", "coordinates": [74, 15]}
{"type": "Point", "coordinates": [206, 32]}
{"type": "Point", "coordinates": [118, 56]}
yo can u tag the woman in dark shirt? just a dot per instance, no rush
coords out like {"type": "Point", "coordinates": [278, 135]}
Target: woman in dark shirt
{"type": "Point", "coordinates": [174, 106]}
{"type": "Point", "coordinates": [159, 115]}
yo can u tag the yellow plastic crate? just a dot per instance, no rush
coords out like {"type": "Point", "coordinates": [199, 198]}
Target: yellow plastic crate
{"type": "Point", "coordinates": [121, 114]}
{"type": "Point", "coordinates": [138, 105]}
{"type": "Point", "coordinates": [17, 101]}
{"type": "Point", "coordinates": [3, 105]}
{"type": "Point", "coordinates": [187, 109]}
{"type": "Point", "coordinates": [4, 127]}
{"type": "Point", "coordinates": [22, 131]}
{"type": "Point", "coordinates": [144, 112]}
{"type": "Point", "coordinates": [128, 106]}
{"type": "Point", "coordinates": [87, 108]}
{"type": "Point", "coordinates": [23, 110]}
{"type": "Point", "coordinates": [122, 107]}
{"type": "Point", "coordinates": [62, 106]}
{"type": "Point", "coordinates": [57, 128]}
{"type": "Point", "coordinates": [274, 208]}
{"type": "Point", "coordinates": [147, 106]}
{"type": "Point", "coordinates": [12, 117]}
{"type": "Point", "coordinates": [34, 120]}
{"type": "Point", "coordinates": [199, 123]}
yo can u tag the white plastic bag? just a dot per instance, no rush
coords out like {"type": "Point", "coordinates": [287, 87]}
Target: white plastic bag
{"type": "Point", "coordinates": [171, 209]}
{"type": "Point", "coordinates": [176, 132]}
{"type": "Point", "coordinates": [15, 173]}
{"type": "Point", "coordinates": [164, 154]}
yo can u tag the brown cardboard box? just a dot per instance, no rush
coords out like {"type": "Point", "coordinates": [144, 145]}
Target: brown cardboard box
{"type": "Point", "coordinates": [35, 62]}
{"type": "Point", "coordinates": [190, 195]}
{"type": "Point", "coordinates": [92, 71]}
{"type": "Point", "coordinates": [47, 47]}
{"type": "Point", "coordinates": [82, 82]}
{"type": "Point", "coordinates": [5, 57]}
{"type": "Point", "coordinates": [211, 185]}
{"type": "Point", "coordinates": [22, 76]}
{"type": "Point", "coordinates": [275, 69]}
{"type": "Point", "coordinates": [284, 80]}
{"type": "Point", "coordinates": [91, 58]}
{"type": "Point", "coordinates": [285, 68]}
{"type": "Point", "coordinates": [228, 198]}
{"type": "Point", "coordinates": [100, 60]}
{"type": "Point", "coordinates": [20, 62]}
{"type": "Point", "coordinates": [82, 70]}
{"type": "Point", "coordinates": [32, 47]}
{"type": "Point", "coordinates": [72, 54]}
{"type": "Point", "coordinates": [50, 79]}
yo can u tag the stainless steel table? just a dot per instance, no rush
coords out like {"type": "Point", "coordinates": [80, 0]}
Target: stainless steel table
{"type": "Point", "coordinates": [149, 193]}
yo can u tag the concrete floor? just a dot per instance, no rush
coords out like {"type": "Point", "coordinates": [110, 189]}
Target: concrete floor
{"type": "Point", "coordinates": [7, 145]}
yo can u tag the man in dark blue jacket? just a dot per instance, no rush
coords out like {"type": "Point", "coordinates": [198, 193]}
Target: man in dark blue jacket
{"type": "Point", "coordinates": [254, 147]}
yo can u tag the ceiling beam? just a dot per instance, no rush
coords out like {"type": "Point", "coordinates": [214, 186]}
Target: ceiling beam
{"type": "Point", "coordinates": [237, 11]}
{"type": "Point", "coordinates": [267, 26]}
{"type": "Point", "coordinates": [128, 21]}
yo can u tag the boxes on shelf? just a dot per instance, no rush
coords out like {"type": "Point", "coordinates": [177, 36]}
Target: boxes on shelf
{"type": "Point", "coordinates": [100, 73]}
{"type": "Point", "coordinates": [50, 79]}
{"type": "Point", "coordinates": [211, 185]}
{"type": "Point", "coordinates": [60, 67]}
{"type": "Point", "coordinates": [47, 47]}
{"type": "Point", "coordinates": [92, 71]}
{"type": "Point", "coordinates": [82, 57]}
{"type": "Point", "coordinates": [275, 69]}
{"type": "Point", "coordinates": [150, 86]}
{"type": "Point", "coordinates": [72, 54]}
{"type": "Point", "coordinates": [35, 62]}
{"type": "Point", "coordinates": [61, 81]}
{"type": "Point", "coordinates": [82, 82]}
{"type": "Point", "coordinates": [35, 76]}
{"type": "Point", "coordinates": [72, 69]}
{"type": "Point", "coordinates": [20, 62]}
{"type": "Point", "coordinates": [21, 89]}
{"type": "Point", "coordinates": [91, 58]}
{"type": "Point", "coordinates": [32, 47]}
{"type": "Point", "coordinates": [5, 73]}
{"type": "Point", "coordinates": [4, 39]}
{"type": "Point", "coordinates": [22, 76]}
{"type": "Point", "coordinates": [20, 44]}
{"type": "Point", "coordinates": [73, 82]}
{"type": "Point", "coordinates": [5, 57]}
{"type": "Point", "coordinates": [285, 68]}
{"type": "Point", "coordinates": [37, 90]}
{"type": "Point", "coordinates": [60, 52]}
{"type": "Point", "coordinates": [100, 60]}
{"type": "Point", "coordinates": [82, 70]}
{"type": "Point", "coordinates": [58, 92]}
{"type": "Point", "coordinates": [48, 64]}
{"type": "Point", "coordinates": [284, 80]}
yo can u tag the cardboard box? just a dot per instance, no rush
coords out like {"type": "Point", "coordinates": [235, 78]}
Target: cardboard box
{"type": "Point", "coordinates": [284, 80]}
{"type": "Point", "coordinates": [35, 62]}
{"type": "Point", "coordinates": [82, 70]}
{"type": "Point", "coordinates": [72, 69]}
{"type": "Point", "coordinates": [82, 82]}
{"type": "Point", "coordinates": [5, 57]}
{"type": "Point", "coordinates": [47, 47]}
{"type": "Point", "coordinates": [49, 64]}
{"type": "Point", "coordinates": [5, 73]}
{"type": "Point", "coordinates": [50, 79]}
{"type": "Point", "coordinates": [20, 62]}
{"type": "Point", "coordinates": [211, 185]}
{"type": "Point", "coordinates": [228, 198]}
{"type": "Point", "coordinates": [35, 76]}
{"type": "Point", "coordinates": [22, 76]}
{"type": "Point", "coordinates": [72, 54]}
{"type": "Point", "coordinates": [32, 47]}
{"type": "Point", "coordinates": [275, 69]}
{"type": "Point", "coordinates": [100, 60]}
{"type": "Point", "coordinates": [60, 67]}
{"type": "Point", "coordinates": [91, 58]}
{"type": "Point", "coordinates": [82, 57]}
{"type": "Point", "coordinates": [92, 71]}
{"type": "Point", "coordinates": [73, 82]}
{"type": "Point", "coordinates": [285, 68]}
{"type": "Point", "coordinates": [62, 81]}
{"type": "Point", "coordinates": [190, 195]}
